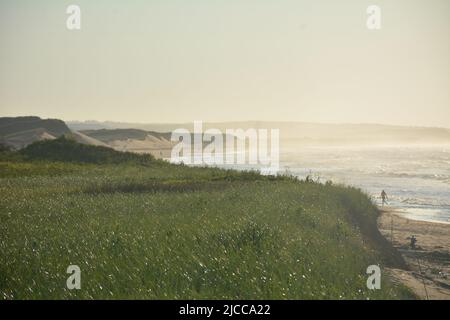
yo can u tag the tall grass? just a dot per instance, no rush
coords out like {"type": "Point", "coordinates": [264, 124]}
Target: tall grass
{"type": "Point", "coordinates": [174, 232]}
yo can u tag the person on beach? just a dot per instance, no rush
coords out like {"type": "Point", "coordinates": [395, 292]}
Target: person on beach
{"type": "Point", "coordinates": [384, 198]}
{"type": "Point", "coordinates": [413, 240]}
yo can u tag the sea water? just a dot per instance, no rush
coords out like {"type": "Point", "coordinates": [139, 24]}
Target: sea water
{"type": "Point", "coordinates": [416, 179]}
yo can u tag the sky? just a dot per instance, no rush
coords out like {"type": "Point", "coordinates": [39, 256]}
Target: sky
{"type": "Point", "coordinates": [227, 60]}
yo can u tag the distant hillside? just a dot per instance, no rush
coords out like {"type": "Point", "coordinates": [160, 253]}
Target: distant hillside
{"type": "Point", "coordinates": [54, 127]}
{"type": "Point", "coordinates": [19, 132]}
{"type": "Point", "coordinates": [97, 125]}
{"type": "Point", "coordinates": [155, 138]}
{"type": "Point", "coordinates": [158, 144]}
{"type": "Point", "coordinates": [21, 139]}
{"type": "Point", "coordinates": [107, 136]}
{"type": "Point", "coordinates": [84, 139]}
{"type": "Point", "coordinates": [302, 133]}
{"type": "Point", "coordinates": [133, 140]}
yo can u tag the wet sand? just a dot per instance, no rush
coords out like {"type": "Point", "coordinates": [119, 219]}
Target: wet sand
{"type": "Point", "coordinates": [429, 264]}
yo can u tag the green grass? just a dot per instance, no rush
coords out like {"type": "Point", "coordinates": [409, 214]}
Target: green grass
{"type": "Point", "coordinates": [151, 230]}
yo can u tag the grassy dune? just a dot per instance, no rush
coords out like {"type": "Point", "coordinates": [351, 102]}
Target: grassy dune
{"type": "Point", "coordinates": [151, 230]}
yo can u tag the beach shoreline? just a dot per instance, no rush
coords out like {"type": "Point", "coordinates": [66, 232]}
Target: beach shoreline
{"type": "Point", "coordinates": [428, 274]}
{"type": "Point", "coordinates": [411, 215]}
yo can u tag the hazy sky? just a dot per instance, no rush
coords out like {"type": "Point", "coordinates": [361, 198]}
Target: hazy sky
{"type": "Point", "coordinates": [218, 60]}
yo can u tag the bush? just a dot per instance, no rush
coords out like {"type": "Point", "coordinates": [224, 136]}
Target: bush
{"type": "Point", "coordinates": [67, 150]}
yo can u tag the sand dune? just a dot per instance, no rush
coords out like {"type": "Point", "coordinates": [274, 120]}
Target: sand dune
{"type": "Point", "coordinates": [82, 138]}
{"type": "Point", "coordinates": [159, 147]}
{"type": "Point", "coordinates": [22, 139]}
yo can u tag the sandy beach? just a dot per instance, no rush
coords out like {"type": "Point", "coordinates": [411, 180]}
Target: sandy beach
{"type": "Point", "coordinates": [429, 264]}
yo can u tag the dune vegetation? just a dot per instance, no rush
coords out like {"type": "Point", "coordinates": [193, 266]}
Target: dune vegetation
{"type": "Point", "coordinates": [146, 229]}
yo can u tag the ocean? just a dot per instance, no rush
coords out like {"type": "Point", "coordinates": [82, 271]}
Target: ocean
{"type": "Point", "coordinates": [416, 179]}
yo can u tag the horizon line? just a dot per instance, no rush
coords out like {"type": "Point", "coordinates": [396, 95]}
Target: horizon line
{"type": "Point", "coordinates": [236, 121]}
{"type": "Point", "coordinates": [263, 121]}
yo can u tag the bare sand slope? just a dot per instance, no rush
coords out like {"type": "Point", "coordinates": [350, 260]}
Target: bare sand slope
{"type": "Point", "coordinates": [160, 148]}
{"type": "Point", "coordinates": [24, 138]}
{"type": "Point", "coordinates": [429, 263]}
{"type": "Point", "coordinates": [82, 138]}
